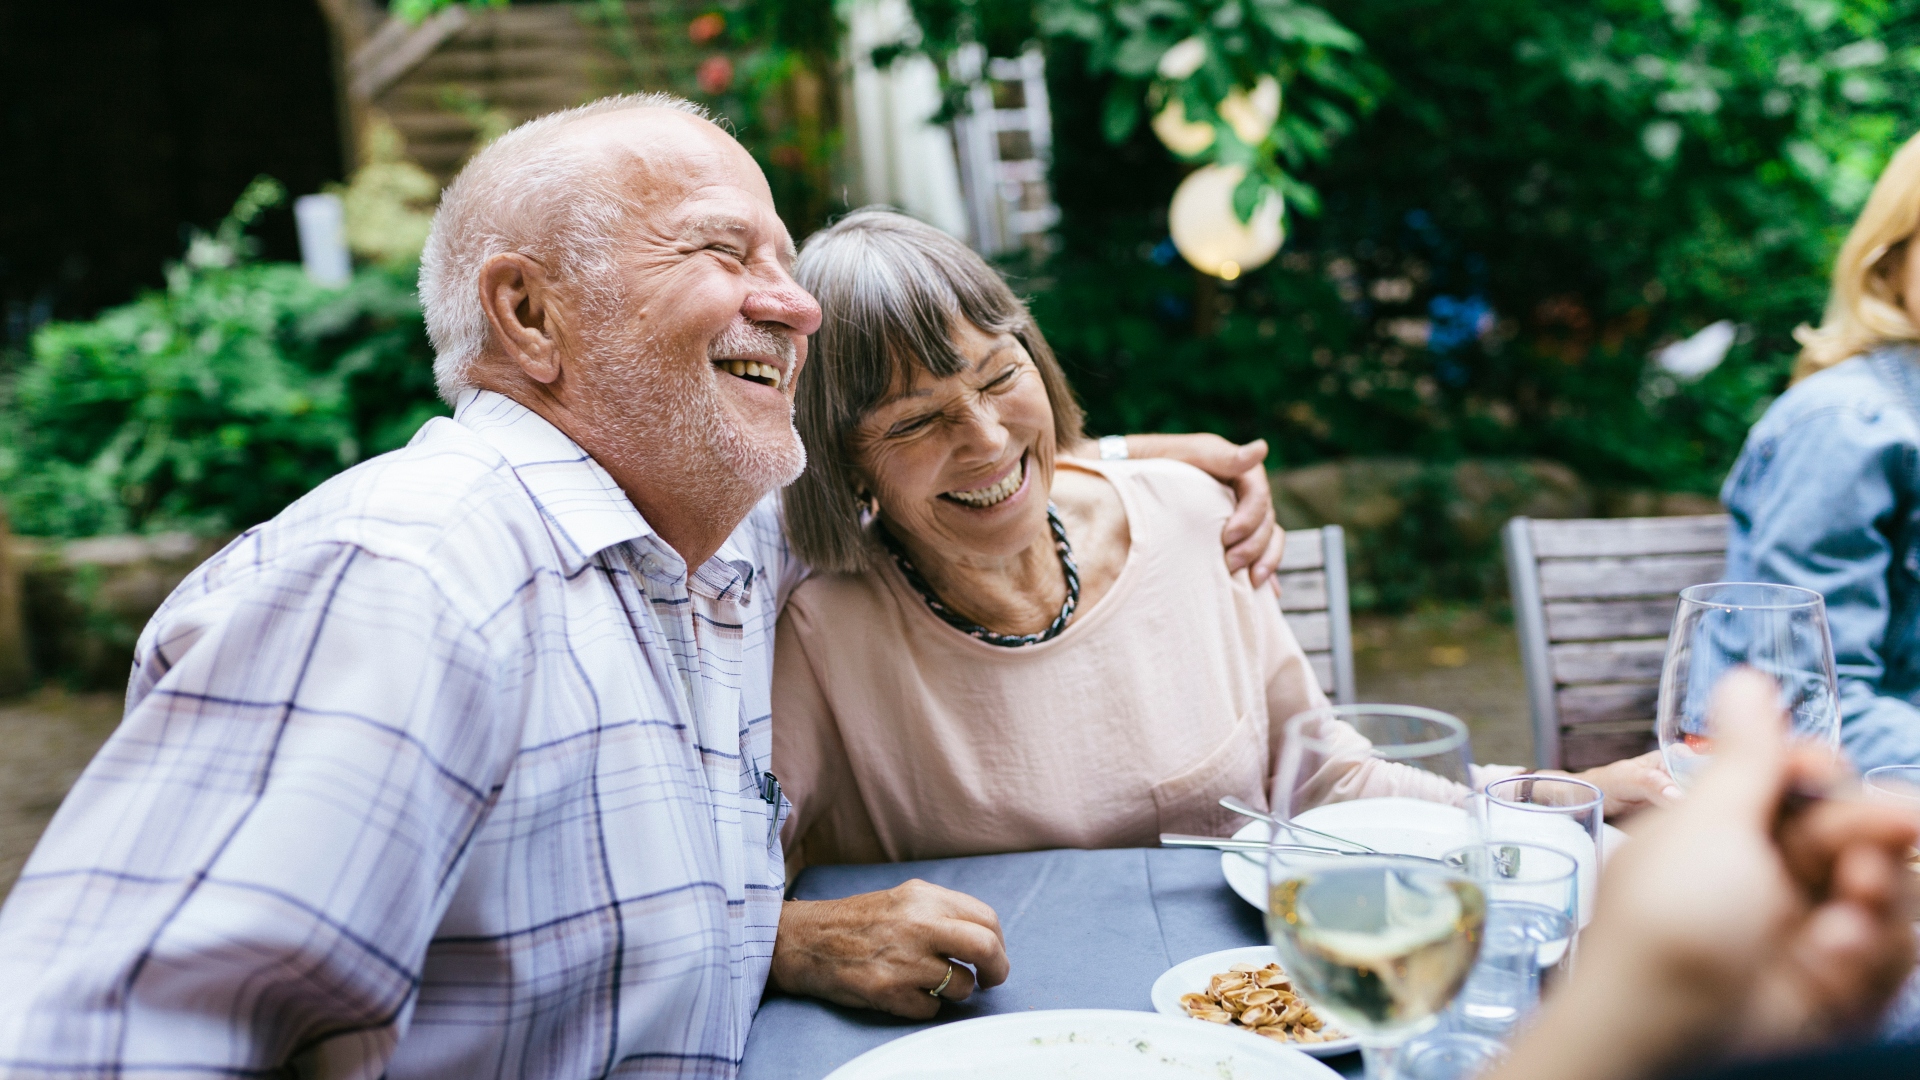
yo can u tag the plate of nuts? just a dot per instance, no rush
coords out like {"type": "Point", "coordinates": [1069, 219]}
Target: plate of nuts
{"type": "Point", "coordinates": [1247, 989]}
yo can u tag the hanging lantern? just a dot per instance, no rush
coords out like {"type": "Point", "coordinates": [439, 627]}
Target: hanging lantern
{"type": "Point", "coordinates": [1209, 235]}
{"type": "Point", "coordinates": [1252, 115]}
{"type": "Point", "coordinates": [1179, 134]}
{"type": "Point", "coordinates": [1182, 59]}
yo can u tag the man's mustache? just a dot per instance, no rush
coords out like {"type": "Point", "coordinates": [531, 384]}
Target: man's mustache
{"type": "Point", "coordinates": [747, 338]}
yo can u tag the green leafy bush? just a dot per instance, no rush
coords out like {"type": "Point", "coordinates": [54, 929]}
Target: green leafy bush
{"type": "Point", "coordinates": [1544, 195]}
{"type": "Point", "coordinates": [214, 403]}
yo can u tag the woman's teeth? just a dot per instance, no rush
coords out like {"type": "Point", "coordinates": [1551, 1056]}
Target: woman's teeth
{"type": "Point", "coordinates": [988, 496]}
{"type": "Point", "coordinates": [751, 369]}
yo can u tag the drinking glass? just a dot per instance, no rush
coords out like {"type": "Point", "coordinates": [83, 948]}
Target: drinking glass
{"type": "Point", "coordinates": [1778, 630]}
{"type": "Point", "coordinates": [1532, 894]}
{"type": "Point", "coordinates": [1893, 783]}
{"type": "Point", "coordinates": [1376, 929]}
{"type": "Point", "coordinates": [1552, 811]}
{"type": "Point", "coordinates": [1451, 1055]}
{"type": "Point", "coordinates": [1900, 785]}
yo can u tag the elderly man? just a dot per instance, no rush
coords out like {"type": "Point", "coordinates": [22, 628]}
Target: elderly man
{"type": "Point", "coordinates": [459, 766]}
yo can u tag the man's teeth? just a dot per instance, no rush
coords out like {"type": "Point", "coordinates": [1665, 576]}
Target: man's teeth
{"type": "Point", "coordinates": [987, 496]}
{"type": "Point", "coordinates": [752, 369]}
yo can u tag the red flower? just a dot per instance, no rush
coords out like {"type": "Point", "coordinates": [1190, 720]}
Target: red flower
{"type": "Point", "coordinates": [706, 27]}
{"type": "Point", "coordinates": [715, 75]}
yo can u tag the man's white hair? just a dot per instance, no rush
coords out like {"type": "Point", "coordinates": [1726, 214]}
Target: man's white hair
{"type": "Point", "coordinates": [532, 193]}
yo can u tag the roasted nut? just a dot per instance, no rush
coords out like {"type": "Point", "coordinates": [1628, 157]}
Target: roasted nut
{"type": "Point", "coordinates": [1261, 1000]}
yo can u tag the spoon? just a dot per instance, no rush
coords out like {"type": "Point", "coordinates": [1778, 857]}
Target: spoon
{"type": "Point", "coordinates": [1244, 810]}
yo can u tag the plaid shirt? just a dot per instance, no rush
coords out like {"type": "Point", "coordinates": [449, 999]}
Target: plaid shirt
{"type": "Point", "coordinates": [449, 770]}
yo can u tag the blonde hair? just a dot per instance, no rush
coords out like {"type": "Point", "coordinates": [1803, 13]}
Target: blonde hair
{"type": "Point", "coordinates": [1864, 309]}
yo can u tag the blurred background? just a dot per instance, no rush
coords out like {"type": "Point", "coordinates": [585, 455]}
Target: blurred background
{"type": "Point", "coordinates": [1455, 262]}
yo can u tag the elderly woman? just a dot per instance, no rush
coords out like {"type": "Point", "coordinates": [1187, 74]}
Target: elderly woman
{"type": "Point", "coordinates": [1003, 649]}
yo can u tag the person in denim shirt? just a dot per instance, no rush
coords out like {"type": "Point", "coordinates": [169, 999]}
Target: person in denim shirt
{"type": "Point", "coordinates": [1826, 492]}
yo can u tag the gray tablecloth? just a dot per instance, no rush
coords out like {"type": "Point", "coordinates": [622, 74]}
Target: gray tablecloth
{"type": "Point", "coordinates": [1085, 930]}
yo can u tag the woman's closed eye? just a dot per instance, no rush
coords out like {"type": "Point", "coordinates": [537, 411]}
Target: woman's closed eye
{"type": "Point", "coordinates": [911, 426]}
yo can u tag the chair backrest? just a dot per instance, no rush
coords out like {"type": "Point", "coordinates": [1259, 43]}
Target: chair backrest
{"type": "Point", "coordinates": [1313, 593]}
{"type": "Point", "coordinates": [1593, 601]}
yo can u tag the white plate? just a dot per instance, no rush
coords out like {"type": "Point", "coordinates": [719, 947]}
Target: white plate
{"type": "Point", "coordinates": [1396, 825]}
{"type": "Point", "coordinates": [1191, 978]}
{"type": "Point", "coordinates": [1082, 1044]}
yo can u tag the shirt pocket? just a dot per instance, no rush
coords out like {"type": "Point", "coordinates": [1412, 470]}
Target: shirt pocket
{"type": "Point", "coordinates": [1189, 800]}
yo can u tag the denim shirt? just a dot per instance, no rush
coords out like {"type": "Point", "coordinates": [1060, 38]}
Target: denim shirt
{"type": "Point", "coordinates": [1826, 496]}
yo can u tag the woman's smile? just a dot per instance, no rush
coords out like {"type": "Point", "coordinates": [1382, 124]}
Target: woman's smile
{"type": "Point", "coordinates": [988, 496]}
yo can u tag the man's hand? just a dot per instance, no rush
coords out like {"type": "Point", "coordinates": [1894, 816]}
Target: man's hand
{"type": "Point", "coordinates": [887, 950]}
{"type": "Point", "coordinates": [1630, 784]}
{"type": "Point", "coordinates": [1253, 539]}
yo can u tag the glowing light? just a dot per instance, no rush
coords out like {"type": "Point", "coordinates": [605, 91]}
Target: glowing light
{"type": "Point", "coordinates": [1180, 135]}
{"type": "Point", "coordinates": [1208, 234]}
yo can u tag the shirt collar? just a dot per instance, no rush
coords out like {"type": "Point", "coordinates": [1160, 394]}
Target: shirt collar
{"type": "Point", "coordinates": [585, 511]}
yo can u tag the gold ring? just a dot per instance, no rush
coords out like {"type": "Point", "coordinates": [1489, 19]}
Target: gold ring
{"type": "Point", "coordinates": [943, 982]}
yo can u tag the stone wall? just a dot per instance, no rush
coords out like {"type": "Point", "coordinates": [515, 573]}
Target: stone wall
{"type": "Point", "coordinates": [80, 604]}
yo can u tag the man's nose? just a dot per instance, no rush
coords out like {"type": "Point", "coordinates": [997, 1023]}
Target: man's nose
{"type": "Point", "coordinates": [780, 299]}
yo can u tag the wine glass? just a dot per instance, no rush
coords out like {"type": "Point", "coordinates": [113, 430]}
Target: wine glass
{"type": "Point", "coordinates": [1376, 929]}
{"type": "Point", "coordinates": [1777, 630]}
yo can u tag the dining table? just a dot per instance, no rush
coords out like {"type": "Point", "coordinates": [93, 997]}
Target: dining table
{"type": "Point", "coordinates": [1084, 930]}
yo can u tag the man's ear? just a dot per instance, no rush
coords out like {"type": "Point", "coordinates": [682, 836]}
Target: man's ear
{"type": "Point", "coordinates": [518, 298]}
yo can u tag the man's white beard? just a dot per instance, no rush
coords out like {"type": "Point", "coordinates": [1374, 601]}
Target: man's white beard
{"type": "Point", "coordinates": [767, 463]}
{"type": "Point", "coordinates": [667, 417]}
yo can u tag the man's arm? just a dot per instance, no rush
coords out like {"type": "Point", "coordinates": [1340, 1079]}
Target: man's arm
{"type": "Point", "coordinates": [252, 867]}
{"type": "Point", "coordinates": [1252, 537]}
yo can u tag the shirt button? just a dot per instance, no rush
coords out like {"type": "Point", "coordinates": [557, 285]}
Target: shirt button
{"type": "Point", "coordinates": [650, 564]}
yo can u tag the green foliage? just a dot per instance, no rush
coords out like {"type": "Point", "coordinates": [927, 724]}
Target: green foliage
{"type": "Point", "coordinates": [418, 11]}
{"type": "Point", "coordinates": [1545, 194]}
{"type": "Point", "coordinates": [1234, 44]}
{"type": "Point", "coordinates": [214, 403]}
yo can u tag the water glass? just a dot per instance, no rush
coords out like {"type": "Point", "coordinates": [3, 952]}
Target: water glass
{"type": "Point", "coordinates": [1893, 783]}
{"type": "Point", "coordinates": [1777, 630]}
{"type": "Point", "coordinates": [1532, 893]}
{"type": "Point", "coordinates": [1898, 784]}
{"type": "Point", "coordinates": [1558, 812]}
{"type": "Point", "coordinates": [1449, 1055]}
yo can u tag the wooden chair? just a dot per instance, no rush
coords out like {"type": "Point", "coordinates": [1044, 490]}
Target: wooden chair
{"type": "Point", "coordinates": [1593, 601]}
{"type": "Point", "coordinates": [1313, 593]}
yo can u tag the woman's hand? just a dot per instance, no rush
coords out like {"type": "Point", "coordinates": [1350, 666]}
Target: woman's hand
{"type": "Point", "coordinates": [1736, 923]}
{"type": "Point", "coordinates": [1631, 784]}
{"type": "Point", "coordinates": [888, 950]}
{"type": "Point", "coordinates": [1253, 537]}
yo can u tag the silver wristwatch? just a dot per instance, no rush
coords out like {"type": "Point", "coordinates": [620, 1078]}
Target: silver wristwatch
{"type": "Point", "coordinates": [1113, 448]}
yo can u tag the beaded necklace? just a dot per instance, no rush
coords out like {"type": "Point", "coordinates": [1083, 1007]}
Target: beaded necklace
{"type": "Point", "coordinates": [973, 629]}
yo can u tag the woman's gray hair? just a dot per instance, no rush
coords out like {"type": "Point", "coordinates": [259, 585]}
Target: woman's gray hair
{"type": "Point", "coordinates": [529, 192]}
{"type": "Point", "coordinates": [891, 289]}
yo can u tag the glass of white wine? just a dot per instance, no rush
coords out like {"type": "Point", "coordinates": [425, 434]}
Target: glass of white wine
{"type": "Point", "coordinates": [1377, 930]}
